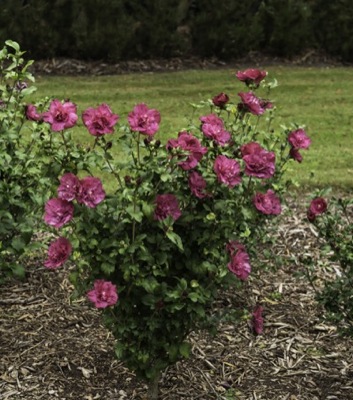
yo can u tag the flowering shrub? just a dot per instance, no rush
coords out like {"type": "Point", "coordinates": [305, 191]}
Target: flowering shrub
{"type": "Point", "coordinates": [179, 223]}
{"type": "Point", "coordinates": [333, 220]}
{"type": "Point", "coordinates": [31, 157]}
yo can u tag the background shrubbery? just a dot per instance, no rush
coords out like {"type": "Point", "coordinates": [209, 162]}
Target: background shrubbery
{"type": "Point", "coordinates": [128, 29]}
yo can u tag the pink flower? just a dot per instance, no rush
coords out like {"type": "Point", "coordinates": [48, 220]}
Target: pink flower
{"type": "Point", "coordinates": [233, 246]}
{"type": "Point", "coordinates": [295, 154]}
{"type": "Point", "coordinates": [69, 187]}
{"type": "Point", "coordinates": [58, 212]}
{"type": "Point", "coordinates": [99, 121]}
{"type": "Point", "coordinates": [253, 104]}
{"type": "Point", "coordinates": [191, 149]}
{"type": "Point", "coordinates": [240, 263]}
{"type": "Point", "coordinates": [61, 115]}
{"type": "Point", "coordinates": [145, 120]}
{"type": "Point", "coordinates": [220, 100]}
{"type": "Point", "coordinates": [259, 162]}
{"type": "Point", "coordinates": [251, 76]}
{"type": "Point", "coordinates": [32, 113]}
{"type": "Point", "coordinates": [299, 139]}
{"type": "Point", "coordinates": [317, 206]}
{"type": "Point", "coordinates": [213, 128]}
{"type": "Point", "coordinates": [103, 294]}
{"type": "Point", "coordinates": [166, 205]}
{"type": "Point", "coordinates": [227, 171]}
{"type": "Point", "coordinates": [250, 148]}
{"type": "Point", "coordinates": [267, 203]}
{"type": "Point", "coordinates": [58, 252]}
{"type": "Point", "coordinates": [257, 320]}
{"type": "Point", "coordinates": [197, 184]}
{"type": "Point", "coordinates": [91, 192]}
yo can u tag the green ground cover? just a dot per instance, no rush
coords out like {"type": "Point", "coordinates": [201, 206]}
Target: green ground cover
{"type": "Point", "coordinates": [319, 98]}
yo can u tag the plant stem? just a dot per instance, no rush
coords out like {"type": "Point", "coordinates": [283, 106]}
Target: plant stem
{"type": "Point", "coordinates": [152, 393]}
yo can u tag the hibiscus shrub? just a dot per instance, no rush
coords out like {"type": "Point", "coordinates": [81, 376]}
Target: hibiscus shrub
{"type": "Point", "coordinates": [333, 220]}
{"type": "Point", "coordinates": [181, 221]}
{"type": "Point", "coordinates": [31, 157]}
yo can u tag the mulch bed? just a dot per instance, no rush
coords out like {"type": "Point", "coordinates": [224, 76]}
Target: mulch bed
{"type": "Point", "coordinates": [54, 348]}
{"type": "Point", "coordinates": [69, 66]}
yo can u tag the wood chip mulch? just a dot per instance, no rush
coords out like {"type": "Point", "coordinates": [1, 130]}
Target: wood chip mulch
{"type": "Point", "coordinates": [69, 66]}
{"type": "Point", "coordinates": [53, 348]}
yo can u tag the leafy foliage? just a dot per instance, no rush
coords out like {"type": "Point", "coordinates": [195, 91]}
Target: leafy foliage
{"type": "Point", "coordinates": [30, 158]}
{"type": "Point", "coordinates": [336, 229]}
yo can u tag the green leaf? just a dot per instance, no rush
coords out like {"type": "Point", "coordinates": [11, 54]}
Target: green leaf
{"type": "Point", "coordinates": [135, 213]}
{"type": "Point", "coordinates": [13, 44]}
{"type": "Point", "coordinates": [18, 244]}
{"type": "Point", "coordinates": [185, 349]}
{"type": "Point", "coordinates": [107, 268]}
{"type": "Point", "coordinates": [175, 238]}
{"type": "Point", "coordinates": [18, 270]}
{"type": "Point", "coordinates": [193, 296]}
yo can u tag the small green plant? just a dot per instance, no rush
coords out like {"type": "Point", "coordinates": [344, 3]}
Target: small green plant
{"type": "Point", "coordinates": [333, 220]}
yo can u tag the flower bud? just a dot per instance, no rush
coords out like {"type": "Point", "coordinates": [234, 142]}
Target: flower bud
{"type": "Point", "coordinates": [108, 145]}
{"type": "Point", "coordinates": [21, 85]}
{"type": "Point", "coordinates": [147, 141]}
{"type": "Point", "coordinates": [220, 100]}
{"type": "Point", "coordinates": [157, 144]}
{"type": "Point", "coordinates": [127, 179]}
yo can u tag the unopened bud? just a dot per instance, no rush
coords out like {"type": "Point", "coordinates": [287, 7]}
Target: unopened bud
{"type": "Point", "coordinates": [127, 179]}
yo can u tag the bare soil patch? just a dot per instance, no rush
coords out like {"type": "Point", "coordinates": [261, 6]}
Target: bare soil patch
{"type": "Point", "coordinates": [54, 348]}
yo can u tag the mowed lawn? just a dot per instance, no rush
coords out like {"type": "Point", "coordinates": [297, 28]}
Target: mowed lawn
{"type": "Point", "coordinates": [321, 99]}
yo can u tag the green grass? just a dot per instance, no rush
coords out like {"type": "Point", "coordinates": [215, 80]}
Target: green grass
{"type": "Point", "coordinates": [319, 98]}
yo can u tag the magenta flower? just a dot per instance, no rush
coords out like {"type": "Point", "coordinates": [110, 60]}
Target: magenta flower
{"type": "Point", "coordinates": [267, 203]}
{"type": "Point", "coordinates": [299, 139]}
{"type": "Point", "coordinates": [145, 120]}
{"type": "Point", "coordinates": [295, 154]}
{"type": "Point", "coordinates": [257, 320]}
{"type": "Point", "coordinates": [260, 162]}
{"type": "Point", "coordinates": [253, 104]}
{"type": "Point", "coordinates": [32, 113]}
{"type": "Point", "coordinates": [58, 212]}
{"type": "Point", "coordinates": [233, 246]}
{"type": "Point", "coordinates": [166, 205]}
{"type": "Point", "coordinates": [69, 187]}
{"type": "Point", "coordinates": [213, 128]}
{"type": "Point", "coordinates": [251, 76]}
{"type": "Point", "coordinates": [240, 263]}
{"type": "Point", "coordinates": [220, 100]}
{"type": "Point", "coordinates": [103, 294]}
{"type": "Point", "coordinates": [190, 148]}
{"type": "Point", "coordinates": [250, 148]}
{"type": "Point", "coordinates": [58, 252]}
{"type": "Point", "coordinates": [91, 192]}
{"type": "Point", "coordinates": [317, 207]}
{"type": "Point", "coordinates": [61, 115]}
{"type": "Point", "coordinates": [99, 121]}
{"type": "Point", "coordinates": [227, 171]}
{"type": "Point", "coordinates": [197, 184]}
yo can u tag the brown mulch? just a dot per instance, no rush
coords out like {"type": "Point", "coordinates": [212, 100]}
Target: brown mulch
{"type": "Point", "coordinates": [69, 66]}
{"type": "Point", "coordinates": [54, 348]}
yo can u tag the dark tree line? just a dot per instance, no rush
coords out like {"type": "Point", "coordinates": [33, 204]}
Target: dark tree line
{"type": "Point", "coordinates": [129, 29]}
